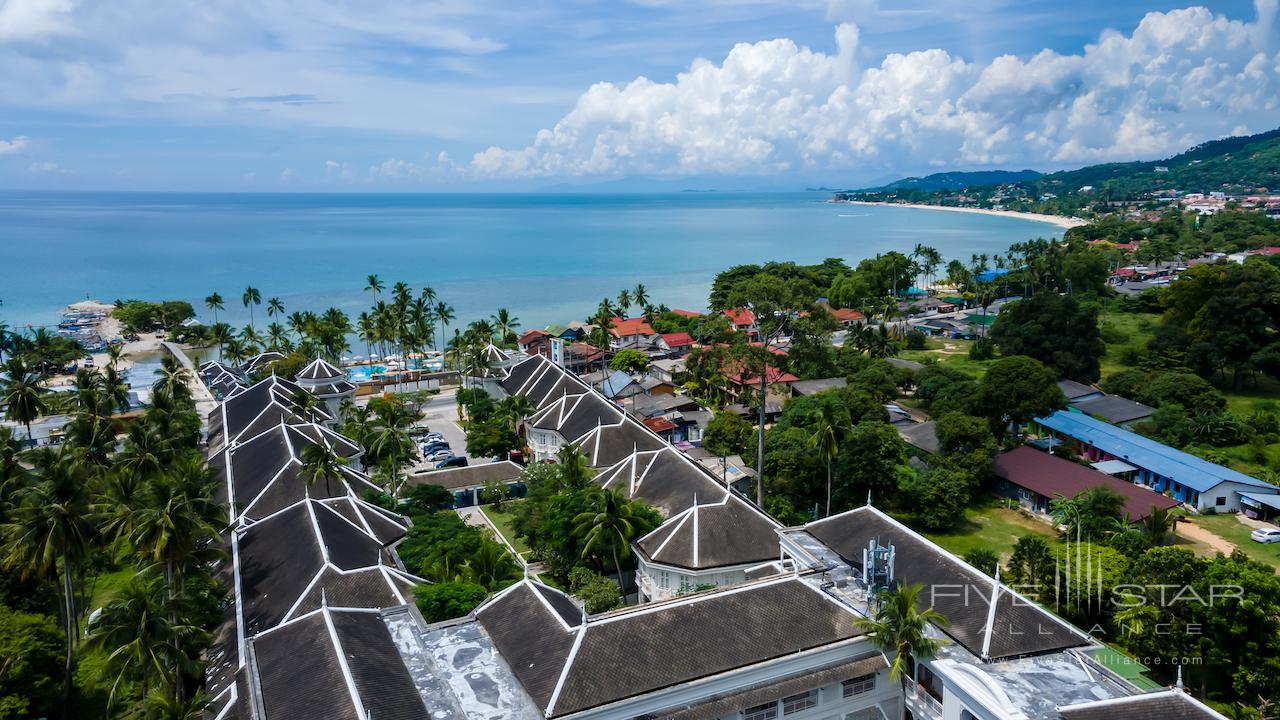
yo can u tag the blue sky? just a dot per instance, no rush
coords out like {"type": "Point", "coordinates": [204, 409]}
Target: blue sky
{"type": "Point", "coordinates": [358, 96]}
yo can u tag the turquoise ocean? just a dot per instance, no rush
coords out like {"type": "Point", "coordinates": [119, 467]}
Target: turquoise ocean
{"type": "Point", "coordinates": [547, 258]}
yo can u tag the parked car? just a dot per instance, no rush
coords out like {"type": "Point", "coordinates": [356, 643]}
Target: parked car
{"type": "Point", "coordinates": [1265, 535]}
{"type": "Point", "coordinates": [428, 448]}
{"type": "Point", "coordinates": [453, 461]}
{"type": "Point", "coordinates": [440, 455]}
{"type": "Point", "coordinates": [432, 436]}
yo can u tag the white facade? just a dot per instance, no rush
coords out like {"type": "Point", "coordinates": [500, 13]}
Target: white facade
{"type": "Point", "coordinates": [544, 444]}
{"type": "Point", "coordinates": [663, 582]}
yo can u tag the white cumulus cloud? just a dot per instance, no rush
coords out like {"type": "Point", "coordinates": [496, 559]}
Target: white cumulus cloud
{"type": "Point", "coordinates": [1178, 78]}
{"type": "Point", "coordinates": [14, 146]}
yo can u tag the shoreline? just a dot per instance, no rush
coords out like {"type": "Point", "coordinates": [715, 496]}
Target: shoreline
{"type": "Point", "coordinates": [1062, 221]}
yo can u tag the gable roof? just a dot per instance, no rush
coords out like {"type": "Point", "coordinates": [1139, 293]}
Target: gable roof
{"type": "Point", "coordinates": [1193, 472]}
{"type": "Point", "coordinates": [664, 478]}
{"type": "Point", "coordinates": [261, 359]}
{"type": "Point", "coordinates": [1053, 477]}
{"type": "Point", "coordinates": [615, 383]}
{"type": "Point", "coordinates": [677, 339]}
{"type": "Point", "coordinates": [1075, 391]}
{"type": "Point", "coordinates": [469, 476]}
{"type": "Point", "coordinates": [335, 663]}
{"type": "Point", "coordinates": [961, 593]}
{"type": "Point", "coordinates": [740, 316]}
{"type": "Point", "coordinates": [568, 667]}
{"type": "Point", "coordinates": [623, 327]}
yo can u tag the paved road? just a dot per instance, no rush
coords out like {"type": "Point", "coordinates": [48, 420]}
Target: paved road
{"type": "Point", "coordinates": [441, 415]}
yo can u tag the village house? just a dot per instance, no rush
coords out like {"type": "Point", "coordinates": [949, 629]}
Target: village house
{"type": "Point", "coordinates": [1193, 481]}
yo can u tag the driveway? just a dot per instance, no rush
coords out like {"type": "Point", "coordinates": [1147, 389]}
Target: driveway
{"type": "Point", "coordinates": [441, 415]}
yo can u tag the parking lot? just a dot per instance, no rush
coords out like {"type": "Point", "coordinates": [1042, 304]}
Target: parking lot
{"type": "Point", "coordinates": [441, 415]}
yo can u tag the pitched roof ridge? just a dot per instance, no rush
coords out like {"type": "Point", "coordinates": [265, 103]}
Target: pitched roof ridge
{"type": "Point", "coordinates": [347, 675]}
{"type": "Point", "coordinates": [564, 671]}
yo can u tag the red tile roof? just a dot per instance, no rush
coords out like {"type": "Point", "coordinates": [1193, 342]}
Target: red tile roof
{"type": "Point", "coordinates": [1052, 477]}
{"type": "Point", "coordinates": [772, 375]}
{"type": "Point", "coordinates": [740, 316]}
{"type": "Point", "coordinates": [677, 339]}
{"type": "Point", "coordinates": [622, 327]}
{"type": "Point", "coordinates": [658, 424]}
{"type": "Point", "coordinates": [685, 313]}
{"type": "Point", "coordinates": [532, 335]}
{"type": "Point", "coordinates": [847, 315]}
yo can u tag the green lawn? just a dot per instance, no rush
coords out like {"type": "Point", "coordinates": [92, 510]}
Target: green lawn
{"type": "Point", "coordinates": [1229, 528]}
{"type": "Point", "coordinates": [502, 521]}
{"type": "Point", "coordinates": [993, 527]}
{"type": "Point", "coordinates": [1126, 330]}
{"type": "Point", "coordinates": [952, 353]}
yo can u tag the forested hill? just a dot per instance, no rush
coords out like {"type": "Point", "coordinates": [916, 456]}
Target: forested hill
{"type": "Point", "coordinates": [957, 180]}
{"type": "Point", "coordinates": [1232, 165]}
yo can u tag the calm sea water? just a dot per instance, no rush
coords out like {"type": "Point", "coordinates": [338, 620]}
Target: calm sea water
{"type": "Point", "coordinates": [547, 258]}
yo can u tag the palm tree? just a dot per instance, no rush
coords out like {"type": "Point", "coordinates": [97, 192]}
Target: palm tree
{"type": "Point", "coordinates": [214, 303]}
{"type": "Point", "coordinates": [374, 285]}
{"type": "Point", "coordinates": [833, 426]}
{"type": "Point", "coordinates": [320, 461]}
{"type": "Point", "coordinates": [640, 295]}
{"type": "Point", "coordinates": [445, 315]}
{"type": "Point", "coordinates": [274, 307]}
{"type": "Point", "coordinates": [115, 351]}
{"type": "Point", "coordinates": [148, 637]}
{"type": "Point", "coordinates": [624, 302]}
{"type": "Point", "coordinates": [610, 526]}
{"type": "Point", "coordinates": [277, 337]}
{"type": "Point", "coordinates": [51, 530]}
{"type": "Point", "coordinates": [220, 333]}
{"type": "Point", "coordinates": [505, 324]}
{"type": "Point", "coordinates": [1158, 527]}
{"type": "Point", "coordinates": [250, 298]}
{"type": "Point", "coordinates": [899, 626]}
{"type": "Point", "coordinates": [171, 520]}
{"type": "Point", "coordinates": [517, 408]}
{"type": "Point", "coordinates": [173, 377]}
{"type": "Point", "coordinates": [251, 339]}
{"type": "Point", "coordinates": [144, 454]}
{"type": "Point", "coordinates": [21, 394]}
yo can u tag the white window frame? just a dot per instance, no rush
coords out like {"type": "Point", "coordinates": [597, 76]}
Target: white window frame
{"type": "Point", "coordinates": [767, 711]}
{"type": "Point", "coordinates": [856, 686]}
{"type": "Point", "coordinates": [799, 702]}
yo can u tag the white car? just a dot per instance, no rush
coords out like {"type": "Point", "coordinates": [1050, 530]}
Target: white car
{"type": "Point", "coordinates": [440, 455]}
{"type": "Point", "coordinates": [1265, 535]}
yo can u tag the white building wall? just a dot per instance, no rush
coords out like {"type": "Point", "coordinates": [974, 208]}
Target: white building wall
{"type": "Point", "coordinates": [544, 444]}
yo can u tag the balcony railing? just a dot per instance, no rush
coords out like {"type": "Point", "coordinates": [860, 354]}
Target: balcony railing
{"type": "Point", "coordinates": [922, 703]}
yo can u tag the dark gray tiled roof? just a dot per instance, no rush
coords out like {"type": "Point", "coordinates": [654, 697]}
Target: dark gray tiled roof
{"type": "Point", "coordinates": [1161, 705]}
{"type": "Point", "coordinates": [520, 373]}
{"type": "Point", "coordinates": [469, 476]}
{"type": "Point", "coordinates": [321, 369]}
{"type": "Point", "coordinates": [638, 652]}
{"type": "Point", "coordinates": [301, 670]}
{"type": "Point", "coordinates": [607, 444]}
{"type": "Point", "coordinates": [280, 556]}
{"type": "Point", "coordinates": [705, 536]}
{"type": "Point", "coordinates": [261, 359]}
{"type": "Point", "coordinates": [961, 594]}
{"type": "Point", "coordinates": [530, 638]}
{"type": "Point", "coordinates": [664, 480]}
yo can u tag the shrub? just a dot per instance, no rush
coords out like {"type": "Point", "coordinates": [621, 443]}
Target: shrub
{"type": "Point", "coordinates": [448, 600]}
{"type": "Point", "coordinates": [982, 349]}
{"type": "Point", "coordinates": [915, 340]}
{"type": "Point", "coordinates": [597, 592]}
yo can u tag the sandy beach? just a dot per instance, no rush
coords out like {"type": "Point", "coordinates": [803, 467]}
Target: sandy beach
{"type": "Point", "coordinates": [1059, 220]}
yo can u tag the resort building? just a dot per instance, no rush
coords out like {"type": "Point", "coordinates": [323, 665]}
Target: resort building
{"type": "Point", "coordinates": [328, 383]}
{"type": "Point", "coordinates": [467, 483]}
{"type": "Point", "coordinates": [1190, 480]}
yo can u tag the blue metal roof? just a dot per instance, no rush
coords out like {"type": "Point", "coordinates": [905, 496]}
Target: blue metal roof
{"type": "Point", "coordinates": [1270, 500]}
{"type": "Point", "coordinates": [615, 383]}
{"type": "Point", "coordinates": [1193, 472]}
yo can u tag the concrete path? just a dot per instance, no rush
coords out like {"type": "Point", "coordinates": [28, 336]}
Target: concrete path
{"type": "Point", "coordinates": [205, 403]}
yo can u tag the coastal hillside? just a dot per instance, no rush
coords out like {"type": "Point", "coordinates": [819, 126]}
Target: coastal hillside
{"type": "Point", "coordinates": [957, 180]}
{"type": "Point", "coordinates": [1236, 165]}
